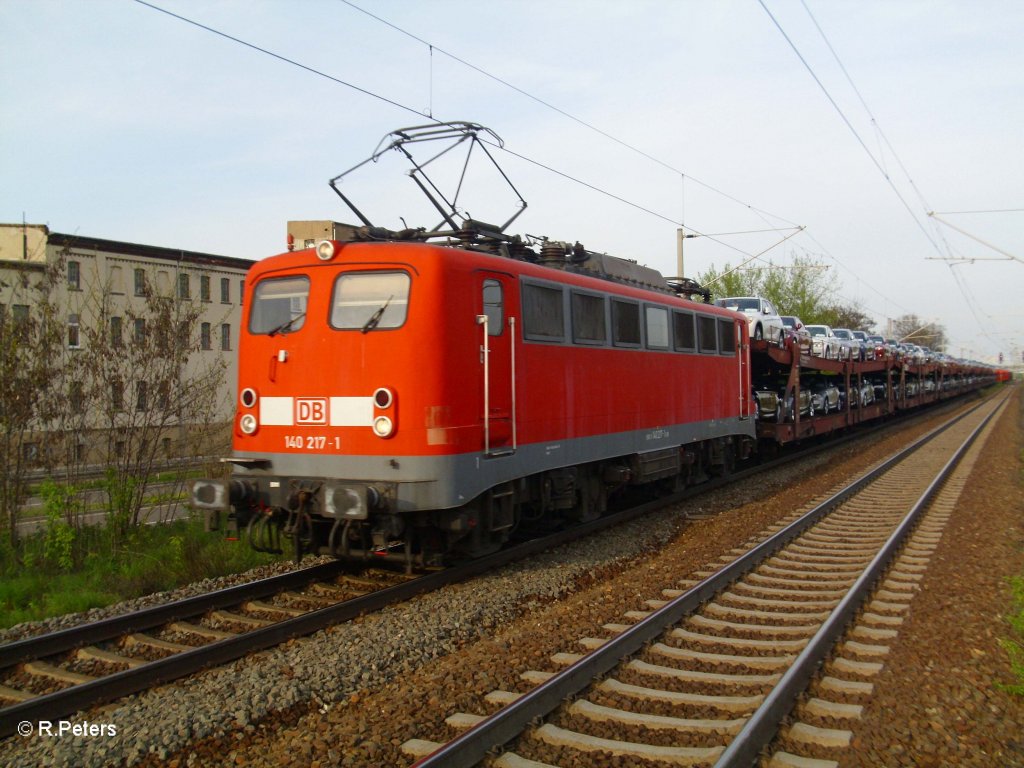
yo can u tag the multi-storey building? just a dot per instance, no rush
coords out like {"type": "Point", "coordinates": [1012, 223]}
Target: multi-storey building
{"type": "Point", "coordinates": [108, 282]}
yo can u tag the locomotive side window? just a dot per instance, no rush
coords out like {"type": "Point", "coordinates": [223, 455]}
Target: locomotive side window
{"type": "Point", "coordinates": [494, 307]}
{"type": "Point", "coordinates": [543, 313]}
{"type": "Point", "coordinates": [708, 342]}
{"type": "Point", "coordinates": [279, 305]}
{"type": "Point", "coordinates": [726, 337]}
{"type": "Point", "coordinates": [657, 327]}
{"type": "Point", "coordinates": [366, 300]}
{"type": "Point", "coordinates": [588, 320]}
{"type": "Point", "coordinates": [685, 336]}
{"type": "Point", "coordinates": [625, 323]}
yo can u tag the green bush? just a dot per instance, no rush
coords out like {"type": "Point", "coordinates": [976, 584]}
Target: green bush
{"type": "Point", "coordinates": [55, 573]}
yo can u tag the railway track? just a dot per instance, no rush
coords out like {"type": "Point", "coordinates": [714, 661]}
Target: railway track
{"type": "Point", "coordinates": [57, 674]}
{"type": "Point", "coordinates": [706, 673]}
{"type": "Point", "coordinates": [52, 675]}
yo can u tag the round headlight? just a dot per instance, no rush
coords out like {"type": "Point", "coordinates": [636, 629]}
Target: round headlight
{"type": "Point", "coordinates": [248, 397]}
{"type": "Point", "coordinates": [382, 426]}
{"type": "Point", "coordinates": [383, 398]}
{"type": "Point", "coordinates": [326, 250]}
{"type": "Point", "coordinates": [248, 424]}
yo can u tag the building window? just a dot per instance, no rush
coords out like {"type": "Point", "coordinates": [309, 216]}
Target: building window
{"type": "Point", "coordinates": [184, 288]}
{"type": "Point", "coordinates": [20, 321]}
{"type": "Point", "coordinates": [141, 396]}
{"type": "Point", "coordinates": [241, 291]}
{"type": "Point", "coordinates": [140, 282]}
{"type": "Point", "coordinates": [74, 276]}
{"type": "Point", "coordinates": [116, 280]}
{"type": "Point", "coordinates": [140, 330]}
{"type": "Point", "coordinates": [225, 337]}
{"type": "Point", "coordinates": [74, 338]}
{"type": "Point", "coordinates": [204, 336]}
{"type": "Point", "coordinates": [204, 288]}
{"type": "Point", "coordinates": [76, 397]}
{"type": "Point", "coordinates": [225, 290]}
{"type": "Point", "coordinates": [119, 449]}
{"type": "Point", "coordinates": [30, 452]}
{"type": "Point", "coordinates": [117, 395]}
{"type": "Point", "coordinates": [115, 332]}
{"type": "Point", "coordinates": [80, 452]}
{"type": "Point", "coordinates": [165, 442]}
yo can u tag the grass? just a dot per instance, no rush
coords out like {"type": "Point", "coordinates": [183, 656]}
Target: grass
{"type": "Point", "coordinates": [85, 568]}
{"type": "Point", "coordinates": [1014, 645]}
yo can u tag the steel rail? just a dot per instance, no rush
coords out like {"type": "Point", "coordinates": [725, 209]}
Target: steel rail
{"type": "Point", "coordinates": [151, 674]}
{"type": "Point", "coordinates": [762, 726]}
{"type": "Point", "coordinates": [37, 647]}
{"type": "Point", "coordinates": [473, 745]}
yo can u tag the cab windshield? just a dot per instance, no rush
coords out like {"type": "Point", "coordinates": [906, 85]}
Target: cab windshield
{"type": "Point", "coordinates": [365, 301]}
{"type": "Point", "coordinates": [279, 305]}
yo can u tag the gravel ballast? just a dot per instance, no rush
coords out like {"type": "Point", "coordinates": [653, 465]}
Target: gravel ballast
{"type": "Point", "coordinates": [352, 694]}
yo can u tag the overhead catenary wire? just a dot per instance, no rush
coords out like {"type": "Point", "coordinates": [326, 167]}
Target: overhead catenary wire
{"type": "Point", "coordinates": [849, 125]}
{"type": "Point", "coordinates": [997, 210]}
{"type": "Point", "coordinates": [406, 108]}
{"type": "Point", "coordinates": [683, 176]}
{"type": "Point", "coordinates": [392, 102]}
{"type": "Point", "coordinates": [949, 254]}
{"type": "Point", "coordinates": [590, 126]}
{"type": "Point", "coordinates": [977, 239]}
{"type": "Point", "coordinates": [874, 122]}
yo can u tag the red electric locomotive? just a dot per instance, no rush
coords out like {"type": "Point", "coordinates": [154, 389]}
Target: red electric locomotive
{"type": "Point", "coordinates": [411, 399]}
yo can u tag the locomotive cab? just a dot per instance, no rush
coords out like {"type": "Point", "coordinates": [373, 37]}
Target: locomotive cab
{"type": "Point", "coordinates": [368, 378]}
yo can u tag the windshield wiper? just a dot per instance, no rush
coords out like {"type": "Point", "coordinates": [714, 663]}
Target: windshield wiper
{"type": "Point", "coordinates": [287, 324]}
{"type": "Point", "coordinates": [376, 316]}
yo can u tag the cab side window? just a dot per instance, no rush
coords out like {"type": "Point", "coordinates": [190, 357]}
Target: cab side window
{"type": "Point", "coordinates": [494, 307]}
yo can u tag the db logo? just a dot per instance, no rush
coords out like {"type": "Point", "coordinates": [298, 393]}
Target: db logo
{"type": "Point", "coordinates": [311, 410]}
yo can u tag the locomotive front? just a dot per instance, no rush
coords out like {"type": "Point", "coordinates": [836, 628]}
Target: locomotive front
{"type": "Point", "coordinates": [340, 347]}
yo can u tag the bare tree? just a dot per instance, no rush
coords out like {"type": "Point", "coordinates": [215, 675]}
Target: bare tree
{"type": "Point", "coordinates": [914, 330]}
{"type": "Point", "coordinates": [845, 316]}
{"type": "Point", "coordinates": [30, 340]}
{"type": "Point", "coordinates": [90, 375]}
{"type": "Point", "coordinates": [149, 388]}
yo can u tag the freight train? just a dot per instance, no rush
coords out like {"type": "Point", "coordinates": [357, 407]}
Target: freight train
{"type": "Point", "coordinates": [421, 395]}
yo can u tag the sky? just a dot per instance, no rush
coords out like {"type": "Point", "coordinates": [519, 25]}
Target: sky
{"type": "Point", "coordinates": [621, 121]}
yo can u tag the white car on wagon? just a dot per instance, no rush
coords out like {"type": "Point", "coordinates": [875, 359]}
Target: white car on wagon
{"type": "Point", "coordinates": [765, 322]}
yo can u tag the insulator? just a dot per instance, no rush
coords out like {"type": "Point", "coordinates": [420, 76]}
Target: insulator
{"type": "Point", "coordinates": [552, 252]}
